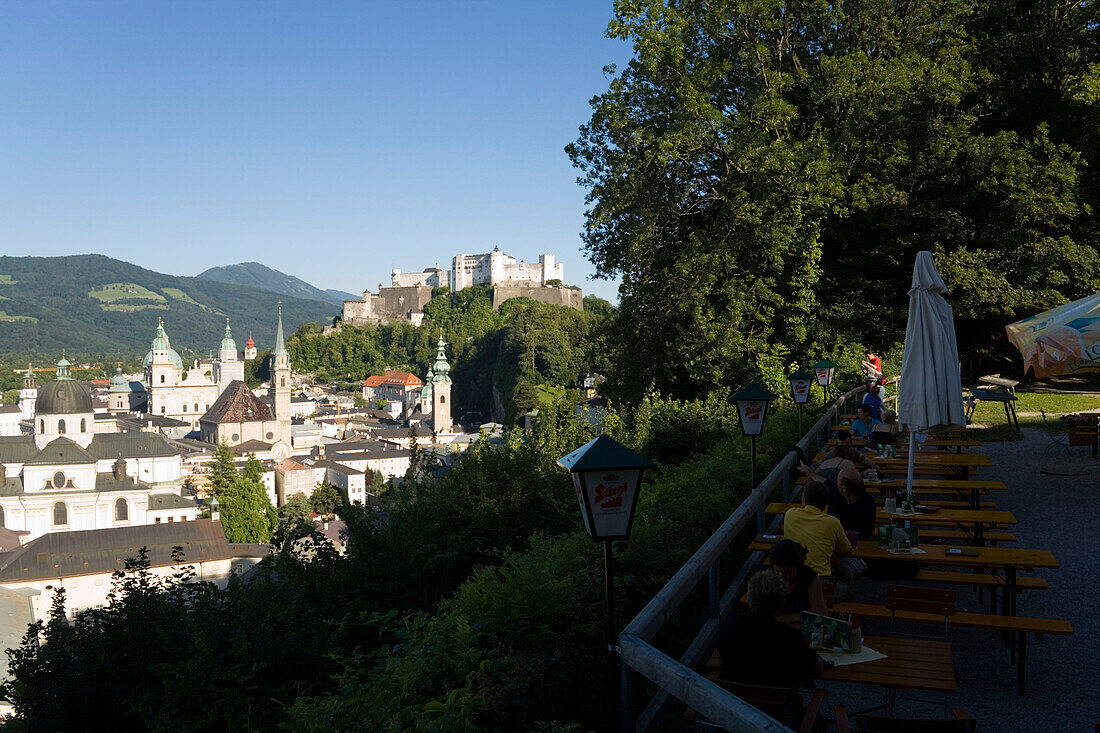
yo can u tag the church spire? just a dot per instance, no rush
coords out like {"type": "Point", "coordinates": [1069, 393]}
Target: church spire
{"type": "Point", "coordinates": [280, 344]}
{"type": "Point", "coordinates": [228, 344]}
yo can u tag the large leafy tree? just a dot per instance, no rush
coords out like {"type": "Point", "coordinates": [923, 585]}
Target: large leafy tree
{"type": "Point", "coordinates": [763, 172]}
{"type": "Point", "coordinates": [246, 511]}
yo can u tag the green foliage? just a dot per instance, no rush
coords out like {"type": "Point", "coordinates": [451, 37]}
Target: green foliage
{"type": "Point", "coordinates": [11, 396]}
{"type": "Point", "coordinates": [326, 498]}
{"type": "Point", "coordinates": [760, 191]}
{"type": "Point", "coordinates": [246, 511]}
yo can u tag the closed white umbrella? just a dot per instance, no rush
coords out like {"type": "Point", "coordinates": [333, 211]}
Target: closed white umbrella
{"type": "Point", "coordinates": [931, 387]}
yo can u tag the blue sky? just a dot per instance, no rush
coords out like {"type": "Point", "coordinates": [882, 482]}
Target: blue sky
{"type": "Point", "coordinates": [330, 140]}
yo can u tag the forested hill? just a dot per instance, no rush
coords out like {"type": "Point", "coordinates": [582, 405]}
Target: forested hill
{"type": "Point", "coordinates": [94, 304]}
{"type": "Point", "coordinates": [260, 276]}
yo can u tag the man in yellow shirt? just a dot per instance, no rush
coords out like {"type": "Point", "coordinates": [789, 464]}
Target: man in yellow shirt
{"type": "Point", "coordinates": [820, 533]}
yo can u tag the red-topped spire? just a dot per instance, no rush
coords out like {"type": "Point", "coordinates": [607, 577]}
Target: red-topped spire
{"type": "Point", "coordinates": [250, 343]}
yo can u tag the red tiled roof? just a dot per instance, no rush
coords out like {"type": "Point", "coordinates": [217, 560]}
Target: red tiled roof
{"type": "Point", "coordinates": [404, 379]}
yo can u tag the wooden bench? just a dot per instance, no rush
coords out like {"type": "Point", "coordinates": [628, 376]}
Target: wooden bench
{"type": "Point", "coordinates": [1018, 627]}
{"type": "Point", "coordinates": [980, 581]}
{"type": "Point", "coordinates": [950, 504]}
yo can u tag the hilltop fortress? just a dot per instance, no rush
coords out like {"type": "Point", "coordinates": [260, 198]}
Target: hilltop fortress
{"type": "Point", "coordinates": [409, 292]}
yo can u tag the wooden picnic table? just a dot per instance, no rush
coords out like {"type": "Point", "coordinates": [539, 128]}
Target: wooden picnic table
{"type": "Point", "coordinates": [910, 664]}
{"type": "Point", "coordinates": [931, 443]}
{"type": "Point", "coordinates": [1006, 560]}
{"type": "Point", "coordinates": [973, 521]}
{"type": "Point", "coordinates": [930, 462]}
{"type": "Point", "coordinates": [972, 489]}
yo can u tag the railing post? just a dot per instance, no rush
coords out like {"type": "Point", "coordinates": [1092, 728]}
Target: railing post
{"type": "Point", "coordinates": [627, 693]}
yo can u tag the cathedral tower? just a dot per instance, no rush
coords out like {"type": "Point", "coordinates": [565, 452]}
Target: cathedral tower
{"type": "Point", "coordinates": [249, 349]}
{"type": "Point", "coordinates": [228, 367]}
{"type": "Point", "coordinates": [280, 382]}
{"type": "Point", "coordinates": [441, 390]}
{"type": "Point", "coordinates": [28, 394]}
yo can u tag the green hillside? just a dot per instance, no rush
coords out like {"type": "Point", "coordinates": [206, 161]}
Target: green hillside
{"type": "Point", "coordinates": [95, 304]}
{"type": "Point", "coordinates": [255, 275]}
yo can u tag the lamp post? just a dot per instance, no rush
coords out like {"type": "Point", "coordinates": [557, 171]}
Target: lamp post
{"type": "Point", "coordinates": [607, 476]}
{"type": "Point", "coordinates": [752, 407]}
{"type": "Point", "coordinates": [824, 371]}
{"type": "Point", "coordinates": [800, 391]}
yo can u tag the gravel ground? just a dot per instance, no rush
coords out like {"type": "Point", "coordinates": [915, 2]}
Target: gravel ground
{"type": "Point", "coordinates": [1058, 513]}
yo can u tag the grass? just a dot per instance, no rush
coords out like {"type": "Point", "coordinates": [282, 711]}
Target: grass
{"type": "Point", "coordinates": [112, 292]}
{"type": "Point", "coordinates": [7, 280]}
{"type": "Point", "coordinates": [177, 294]}
{"type": "Point", "coordinates": [547, 393]}
{"type": "Point", "coordinates": [20, 319]}
{"type": "Point", "coordinates": [990, 416]}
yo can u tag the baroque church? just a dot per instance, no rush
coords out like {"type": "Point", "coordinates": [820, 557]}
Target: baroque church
{"type": "Point", "coordinates": [65, 476]}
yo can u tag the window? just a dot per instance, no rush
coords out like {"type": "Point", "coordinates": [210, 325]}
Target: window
{"type": "Point", "coordinates": [59, 480]}
{"type": "Point", "coordinates": [282, 381]}
{"type": "Point", "coordinates": [185, 408]}
{"type": "Point", "coordinates": [122, 512]}
{"type": "Point", "coordinates": [171, 519]}
{"type": "Point", "coordinates": [162, 409]}
{"type": "Point", "coordinates": [83, 425]}
{"type": "Point", "coordinates": [42, 426]}
{"type": "Point", "coordinates": [162, 379]}
{"type": "Point", "coordinates": [196, 407]}
{"type": "Point", "coordinates": [3, 518]}
{"type": "Point", "coordinates": [156, 521]}
{"type": "Point", "coordinates": [60, 514]}
{"type": "Point", "coordinates": [270, 436]}
{"type": "Point", "coordinates": [442, 398]}
{"type": "Point", "coordinates": [60, 427]}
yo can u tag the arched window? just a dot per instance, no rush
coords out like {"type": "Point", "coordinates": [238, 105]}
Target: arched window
{"type": "Point", "coordinates": [60, 514]}
{"type": "Point", "coordinates": [60, 427]}
{"type": "Point", "coordinates": [122, 511]}
{"type": "Point", "coordinates": [185, 408]}
{"type": "Point", "coordinates": [83, 425]}
{"type": "Point", "coordinates": [162, 379]}
{"type": "Point", "coordinates": [442, 398]}
{"type": "Point", "coordinates": [3, 518]}
{"type": "Point", "coordinates": [42, 426]}
{"type": "Point", "coordinates": [282, 381]}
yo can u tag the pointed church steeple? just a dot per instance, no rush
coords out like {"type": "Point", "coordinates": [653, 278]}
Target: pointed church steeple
{"type": "Point", "coordinates": [280, 343]}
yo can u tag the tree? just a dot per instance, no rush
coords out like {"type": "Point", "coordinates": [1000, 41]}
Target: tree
{"type": "Point", "coordinates": [759, 167]}
{"type": "Point", "coordinates": [325, 498]}
{"type": "Point", "coordinates": [246, 511]}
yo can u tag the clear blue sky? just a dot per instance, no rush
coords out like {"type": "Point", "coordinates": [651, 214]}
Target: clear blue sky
{"type": "Point", "coordinates": [330, 140]}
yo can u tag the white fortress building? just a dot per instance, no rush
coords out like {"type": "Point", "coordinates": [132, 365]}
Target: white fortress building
{"type": "Point", "coordinates": [492, 268]}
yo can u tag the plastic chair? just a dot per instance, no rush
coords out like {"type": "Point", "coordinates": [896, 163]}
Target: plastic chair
{"type": "Point", "coordinates": [959, 722]}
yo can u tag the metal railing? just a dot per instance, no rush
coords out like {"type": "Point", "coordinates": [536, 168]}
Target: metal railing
{"type": "Point", "coordinates": [677, 677]}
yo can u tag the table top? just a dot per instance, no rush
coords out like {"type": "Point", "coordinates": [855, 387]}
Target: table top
{"type": "Point", "coordinates": [915, 664]}
{"type": "Point", "coordinates": [943, 516]}
{"type": "Point", "coordinates": [929, 458]}
{"type": "Point", "coordinates": [933, 443]}
{"type": "Point", "coordinates": [984, 557]}
{"type": "Point", "coordinates": [932, 485]}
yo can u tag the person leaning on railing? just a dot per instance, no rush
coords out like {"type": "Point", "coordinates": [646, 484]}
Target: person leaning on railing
{"type": "Point", "coordinates": [844, 455]}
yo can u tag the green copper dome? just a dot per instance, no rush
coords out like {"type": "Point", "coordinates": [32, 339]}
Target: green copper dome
{"type": "Point", "coordinates": [228, 344]}
{"type": "Point", "coordinates": [161, 343]}
{"type": "Point", "coordinates": [441, 367]}
{"type": "Point", "coordinates": [426, 390]}
{"type": "Point", "coordinates": [119, 383]}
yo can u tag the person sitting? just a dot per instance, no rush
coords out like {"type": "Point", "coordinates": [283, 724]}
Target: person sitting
{"type": "Point", "coordinates": [757, 649]}
{"type": "Point", "coordinates": [821, 534]}
{"type": "Point", "coordinates": [805, 592]}
{"type": "Point", "coordinates": [886, 432]}
{"type": "Point", "coordinates": [856, 510]}
{"type": "Point", "coordinates": [844, 455]}
{"type": "Point", "coordinates": [864, 424]}
{"type": "Point", "coordinates": [873, 399]}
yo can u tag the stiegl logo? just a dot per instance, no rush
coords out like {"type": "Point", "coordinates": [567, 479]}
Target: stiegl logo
{"type": "Point", "coordinates": [609, 493]}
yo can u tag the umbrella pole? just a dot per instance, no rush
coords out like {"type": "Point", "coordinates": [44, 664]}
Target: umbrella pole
{"type": "Point", "coordinates": [909, 475]}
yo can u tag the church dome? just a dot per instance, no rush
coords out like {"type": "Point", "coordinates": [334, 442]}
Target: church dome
{"type": "Point", "coordinates": [228, 344]}
{"type": "Point", "coordinates": [119, 383]}
{"type": "Point", "coordinates": [64, 395]}
{"type": "Point", "coordinates": [161, 343]}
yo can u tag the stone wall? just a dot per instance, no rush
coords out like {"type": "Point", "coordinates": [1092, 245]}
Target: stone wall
{"type": "Point", "coordinates": [567, 295]}
{"type": "Point", "coordinates": [390, 305]}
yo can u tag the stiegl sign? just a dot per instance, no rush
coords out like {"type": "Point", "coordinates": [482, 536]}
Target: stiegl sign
{"type": "Point", "coordinates": [606, 475]}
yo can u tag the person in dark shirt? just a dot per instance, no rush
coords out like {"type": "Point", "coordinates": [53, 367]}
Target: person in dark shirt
{"type": "Point", "coordinates": [856, 509]}
{"type": "Point", "coordinates": [804, 586]}
{"type": "Point", "coordinates": [758, 650]}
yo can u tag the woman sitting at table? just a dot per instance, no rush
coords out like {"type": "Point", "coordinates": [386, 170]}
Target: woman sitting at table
{"type": "Point", "coordinates": [844, 455]}
{"type": "Point", "coordinates": [804, 586]}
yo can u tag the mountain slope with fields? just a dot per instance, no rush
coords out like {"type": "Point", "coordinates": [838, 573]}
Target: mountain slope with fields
{"type": "Point", "coordinates": [94, 304]}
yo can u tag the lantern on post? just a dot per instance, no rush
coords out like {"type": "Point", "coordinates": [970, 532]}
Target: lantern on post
{"type": "Point", "coordinates": [752, 407]}
{"type": "Point", "coordinates": [607, 476]}
{"type": "Point", "coordinates": [800, 391]}
{"type": "Point", "coordinates": [824, 371]}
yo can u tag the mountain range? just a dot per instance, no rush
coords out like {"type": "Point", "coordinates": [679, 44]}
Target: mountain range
{"type": "Point", "coordinates": [91, 304]}
{"type": "Point", "coordinates": [260, 276]}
